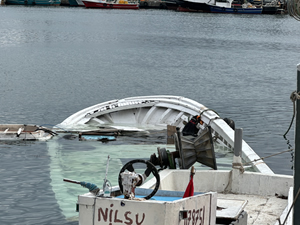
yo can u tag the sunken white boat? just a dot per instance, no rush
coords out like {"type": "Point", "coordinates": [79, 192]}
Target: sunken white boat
{"type": "Point", "coordinates": [157, 112]}
{"type": "Point", "coordinates": [24, 132]}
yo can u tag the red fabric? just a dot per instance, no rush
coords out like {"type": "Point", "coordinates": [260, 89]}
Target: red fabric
{"type": "Point", "coordinates": [189, 189]}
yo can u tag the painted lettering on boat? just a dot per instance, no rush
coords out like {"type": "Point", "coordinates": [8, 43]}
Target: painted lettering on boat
{"type": "Point", "coordinates": [195, 216]}
{"type": "Point", "coordinates": [114, 217]}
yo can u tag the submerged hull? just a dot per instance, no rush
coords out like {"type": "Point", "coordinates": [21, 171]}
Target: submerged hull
{"type": "Point", "coordinates": [104, 5]}
{"type": "Point", "coordinates": [154, 113]}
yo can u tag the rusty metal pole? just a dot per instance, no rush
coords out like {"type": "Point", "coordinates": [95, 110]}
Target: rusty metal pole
{"type": "Point", "coordinates": [296, 214]}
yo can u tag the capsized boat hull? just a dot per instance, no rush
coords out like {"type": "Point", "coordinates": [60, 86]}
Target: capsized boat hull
{"type": "Point", "coordinates": [157, 112]}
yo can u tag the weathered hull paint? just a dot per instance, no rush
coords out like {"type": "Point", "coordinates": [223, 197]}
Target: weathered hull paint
{"type": "Point", "coordinates": [200, 210]}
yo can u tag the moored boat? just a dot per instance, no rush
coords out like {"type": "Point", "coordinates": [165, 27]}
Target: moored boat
{"type": "Point", "coordinates": [240, 10]}
{"type": "Point", "coordinates": [177, 197]}
{"type": "Point", "coordinates": [193, 5]}
{"type": "Point", "coordinates": [273, 7]}
{"type": "Point", "coordinates": [217, 6]}
{"type": "Point", "coordinates": [171, 4]}
{"type": "Point", "coordinates": [152, 4]}
{"type": "Point", "coordinates": [242, 197]}
{"type": "Point", "coordinates": [34, 2]}
{"type": "Point", "coordinates": [76, 3]}
{"type": "Point", "coordinates": [117, 4]}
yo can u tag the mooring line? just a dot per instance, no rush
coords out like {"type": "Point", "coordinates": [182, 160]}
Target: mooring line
{"type": "Point", "coordinates": [294, 96]}
{"type": "Point", "coordinates": [262, 158]}
{"type": "Point", "coordinates": [287, 215]}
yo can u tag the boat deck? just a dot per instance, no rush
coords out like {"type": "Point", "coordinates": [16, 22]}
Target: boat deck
{"type": "Point", "coordinates": [260, 209]}
{"type": "Point", "coordinates": [268, 196]}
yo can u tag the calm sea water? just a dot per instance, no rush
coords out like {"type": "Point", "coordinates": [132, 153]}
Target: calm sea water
{"type": "Point", "coordinates": [56, 61]}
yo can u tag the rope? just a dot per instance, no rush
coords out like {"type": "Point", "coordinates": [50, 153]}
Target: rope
{"type": "Point", "coordinates": [238, 166]}
{"type": "Point", "coordinates": [278, 219]}
{"type": "Point", "coordinates": [229, 183]}
{"type": "Point", "coordinates": [294, 96]}
{"type": "Point", "coordinates": [262, 158]}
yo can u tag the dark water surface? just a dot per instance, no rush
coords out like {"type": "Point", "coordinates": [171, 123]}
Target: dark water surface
{"type": "Point", "coordinates": [56, 61]}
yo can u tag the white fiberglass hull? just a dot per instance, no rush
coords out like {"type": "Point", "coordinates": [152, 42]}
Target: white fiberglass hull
{"type": "Point", "coordinates": [156, 112]}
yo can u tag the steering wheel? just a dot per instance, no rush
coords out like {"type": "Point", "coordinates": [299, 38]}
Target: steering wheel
{"type": "Point", "coordinates": [150, 169]}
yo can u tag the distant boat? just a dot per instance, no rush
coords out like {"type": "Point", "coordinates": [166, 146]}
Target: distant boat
{"type": "Point", "coordinates": [194, 5]}
{"type": "Point", "coordinates": [33, 2]}
{"type": "Point", "coordinates": [116, 4]}
{"type": "Point", "coordinates": [220, 6]}
{"type": "Point", "coordinates": [245, 9]}
{"type": "Point", "coordinates": [76, 3]}
{"type": "Point", "coordinates": [171, 4]}
{"type": "Point", "coordinates": [153, 4]}
{"type": "Point", "coordinates": [273, 7]}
